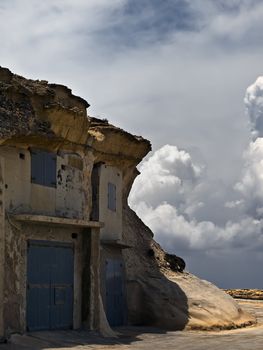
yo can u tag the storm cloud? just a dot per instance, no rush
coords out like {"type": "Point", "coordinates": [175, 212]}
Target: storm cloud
{"type": "Point", "coordinates": [170, 191]}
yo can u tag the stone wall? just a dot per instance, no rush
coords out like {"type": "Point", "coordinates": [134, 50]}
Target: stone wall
{"type": "Point", "coordinates": [16, 238]}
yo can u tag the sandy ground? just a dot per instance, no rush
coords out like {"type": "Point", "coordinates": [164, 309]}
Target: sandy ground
{"type": "Point", "coordinates": [149, 338]}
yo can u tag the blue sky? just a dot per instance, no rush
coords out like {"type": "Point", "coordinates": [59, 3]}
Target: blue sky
{"type": "Point", "coordinates": [176, 72]}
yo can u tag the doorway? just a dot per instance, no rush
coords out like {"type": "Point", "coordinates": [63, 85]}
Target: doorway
{"type": "Point", "coordinates": [50, 276]}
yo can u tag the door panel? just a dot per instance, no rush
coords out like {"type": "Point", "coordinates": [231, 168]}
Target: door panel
{"type": "Point", "coordinates": [50, 270]}
{"type": "Point", "coordinates": [38, 308]}
{"type": "Point", "coordinates": [115, 301]}
{"type": "Point", "coordinates": [62, 288]}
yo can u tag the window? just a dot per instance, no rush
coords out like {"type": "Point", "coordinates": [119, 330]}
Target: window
{"type": "Point", "coordinates": [111, 196]}
{"type": "Point", "coordinates": [43, 168]}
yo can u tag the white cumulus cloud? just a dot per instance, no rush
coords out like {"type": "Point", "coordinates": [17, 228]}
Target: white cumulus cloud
{"type": "Point", "coordinates": [254, 106]}
{"type": "Point", "coordinates": [167, 195]}
{"type": "Point", "coordinates": [169, 175]}
{"type": "Point", "coordinates": [170, 191]}
{"type": "Point", "coordinates": [251, 184]}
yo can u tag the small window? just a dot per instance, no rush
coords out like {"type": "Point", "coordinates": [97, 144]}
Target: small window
{"type": "Point", "coordinates": [111, 196]}
{"type": "Point", "coordinates": [43, 168]}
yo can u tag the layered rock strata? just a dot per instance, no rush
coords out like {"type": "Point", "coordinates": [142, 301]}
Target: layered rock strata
{"type": "Point", "coordinates": [253, 294]}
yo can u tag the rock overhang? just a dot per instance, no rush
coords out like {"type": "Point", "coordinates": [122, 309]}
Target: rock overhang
{"type": "Point", "coordinates": [51, 116]}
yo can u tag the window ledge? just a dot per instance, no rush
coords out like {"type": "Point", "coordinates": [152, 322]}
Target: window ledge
{"type": "Point", "coordinates": [54, 220]}
{"type": "Point", "coordinates": [115, 243]}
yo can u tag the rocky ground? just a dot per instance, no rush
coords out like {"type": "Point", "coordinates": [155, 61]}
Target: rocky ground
{"type": "Point", "coordinates": [141, 338]}
{"type": "Point", "coordinates": [253, 294]}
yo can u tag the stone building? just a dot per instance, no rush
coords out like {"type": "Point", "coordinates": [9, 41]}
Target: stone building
{"type": "Point", "coordinates": [61, 209]}
{"type": "Point", "coordinates": [67, 235]}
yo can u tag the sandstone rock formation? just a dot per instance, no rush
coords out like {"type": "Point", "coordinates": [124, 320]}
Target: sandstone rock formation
{"type": "Point", "coordinates": [53, 117]}
{"type": "Point", "coordinates": [253, 294]}
{"type": "Point", "coordinates": [35, 108]}
{"type": "Point", "coordinates": [168, 299]}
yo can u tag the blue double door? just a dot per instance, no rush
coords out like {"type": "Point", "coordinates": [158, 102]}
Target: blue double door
{"type": "Point", "coordinates": [115, 292]}
{"type": "Point", "coordinates": [50, 276]}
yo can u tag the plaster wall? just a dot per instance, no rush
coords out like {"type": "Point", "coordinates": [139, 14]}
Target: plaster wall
{"type": "Point", "coordinates": [17, 178]}
{"type": "Point", "coordinates": [70, 192]}
{"type": "Point", "coordinates": [67, 199]}
{"type": "Point", "coordinates": [15, 285]}
{"type": "Point", "coordinates": [112, 229]}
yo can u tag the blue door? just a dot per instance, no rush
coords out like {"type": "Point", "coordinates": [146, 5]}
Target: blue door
{"type": "Point", "coordinates": [50, 270]}
{"type": "Point", "coordinates": [115, 300]}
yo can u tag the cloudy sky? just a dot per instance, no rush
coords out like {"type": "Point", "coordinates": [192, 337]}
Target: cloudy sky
{"type": "Point", "coordinates": [176, 72]}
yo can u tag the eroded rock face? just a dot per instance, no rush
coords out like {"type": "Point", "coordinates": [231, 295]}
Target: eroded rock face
{"type": "Point", "coordinates": [49, 115]}
{"type": "Point", "coordinates": [36, 108]}
{"type": "Point", "coordinates": [158, 296]}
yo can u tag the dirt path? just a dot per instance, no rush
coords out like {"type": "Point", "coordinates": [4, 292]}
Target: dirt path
{"type": "Point", "coordinates": [150, 339]}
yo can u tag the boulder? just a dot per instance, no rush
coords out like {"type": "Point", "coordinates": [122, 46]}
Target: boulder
{"type": "Point", "coordinates": [162, 297]}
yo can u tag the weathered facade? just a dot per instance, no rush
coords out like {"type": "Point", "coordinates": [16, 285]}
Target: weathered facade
{"type": "Point", "coordinates": [67, 235]}
{"type": "Point", "coordinates": [61, 209]}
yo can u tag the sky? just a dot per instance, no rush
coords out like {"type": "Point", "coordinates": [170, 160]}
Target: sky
{"type": "Point", "coordinates": [183, 74]}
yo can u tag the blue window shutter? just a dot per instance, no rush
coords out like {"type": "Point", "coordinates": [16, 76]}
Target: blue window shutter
{"type": "Point", "coordinates": [37, 168]}
{"type": "Point", "coordinates": [50, 170]}
{"type": "Point", "coordinates": [43, 168]}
